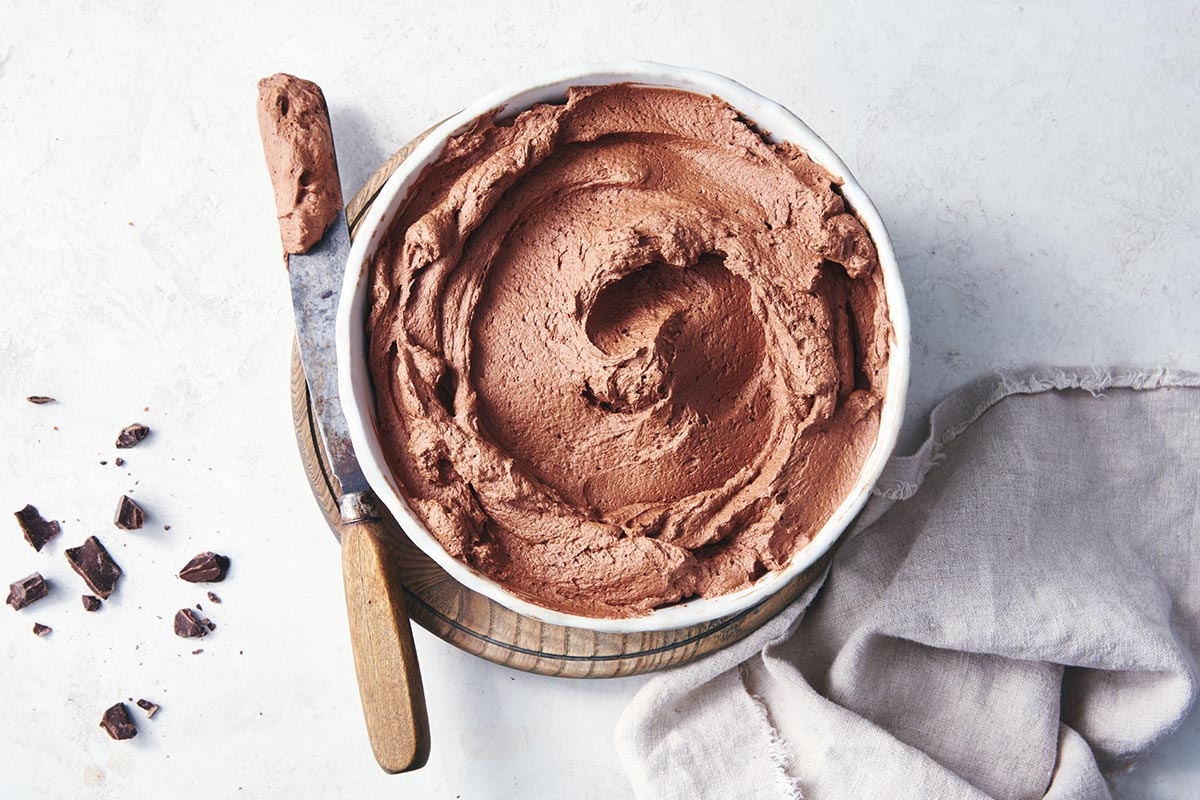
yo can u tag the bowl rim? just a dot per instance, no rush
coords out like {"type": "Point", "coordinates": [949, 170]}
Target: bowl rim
{"type": "Point", "coordinates": [358, 397]}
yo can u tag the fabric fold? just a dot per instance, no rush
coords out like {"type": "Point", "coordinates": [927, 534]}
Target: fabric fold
{"type": "Point", "coordinates": [1015, 611]}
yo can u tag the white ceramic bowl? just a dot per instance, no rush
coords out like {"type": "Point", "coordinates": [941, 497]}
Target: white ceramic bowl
{"type": "Point", "coordinates": [357, 394]}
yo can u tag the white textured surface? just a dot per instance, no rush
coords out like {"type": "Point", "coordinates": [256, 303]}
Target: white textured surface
{"type": "Point", "coordinates": [1035, 166]}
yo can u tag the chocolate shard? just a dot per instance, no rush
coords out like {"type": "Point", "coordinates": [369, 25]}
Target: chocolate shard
{"type": "Point", "coordinates": [187, 626]}
{"type": "Point", "coordinates": [39, 399]}
{"type": "Point", "coordinates": [207, 567]}
{"type": "Point", "coordinates": [26, 591]}
{"type": "Point", "coordinates": [213, 598]}
{"type": "Point", "coordinates": [148, 707]}
{"type": "Point", "coordinates": [42, 630]}
{"type": "Point", "coordinates": [91, 603]}
{"type": "Point", "coordinates": [95, 566]}
{"type": "Point", "coordinates": [37, 530]}
{"type": "Point", "coordinates": [117, 722]}
{"type": "Point", "coordinates": [130, 435]}
{"type": "Point", "coordinates": [129, 516]}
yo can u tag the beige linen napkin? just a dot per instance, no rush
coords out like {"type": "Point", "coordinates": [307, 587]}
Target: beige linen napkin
{"type": "Point", "coordinates": [1016, 613]}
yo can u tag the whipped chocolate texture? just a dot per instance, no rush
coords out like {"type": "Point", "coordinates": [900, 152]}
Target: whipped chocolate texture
{"type": "Point", "coordinates": [298, 144]}
{"type": "Point", "coordinates": [625, 351]}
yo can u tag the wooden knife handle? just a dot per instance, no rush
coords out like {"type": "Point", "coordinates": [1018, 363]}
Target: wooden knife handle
{"type": "Point", "coordinates": [385, 658]}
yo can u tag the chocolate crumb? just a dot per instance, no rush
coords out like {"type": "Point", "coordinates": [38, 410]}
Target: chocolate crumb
{"type": "Point", "coordinates": [198, 608]}
{"type": "Point", "coordinates": [148, 707]}
{"type": "Point", "coordinates": [42, 630]}
{"type": "Point", "coordinates": [26, 591]}
{"type": "Point", "coordinates": [208, 623]}
{"type": "Point", "coordinates": [130, 435]}
{"type": "Point", "coordinates": [103, 463]}
{"type": "Point", "coordinates": [95, 566]}
{"type": "Point", "coordinates": [40, 400]}
{"type": "Point", "coordinates": [117, 722]}
{"type": "Point", "coordinates": [207, 567]}
{"type": "Point", "coordinates": [91, 603]}
{"type": "Point", "coordinates": [187, 626]}
{"type": "Point", "coordinates": [212, 598]}
{"type": "Point", "coordinates": [37, 530]}
{"type": "Point", "coordinates": [129, 516]}
{"type": "Point", "coordinates": [166, 527]}
{"type": "Point", "coordinates": [120, 462]}
{"type": "Point", "coordinates": [198, 651]}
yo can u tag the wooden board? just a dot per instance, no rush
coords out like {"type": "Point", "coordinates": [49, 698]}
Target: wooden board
{"type": "Point", "coordinates": [474, 623]}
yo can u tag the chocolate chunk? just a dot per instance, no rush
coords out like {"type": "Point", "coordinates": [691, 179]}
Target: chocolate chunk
{"type": "Point", "coordinates": [41, 630]}
{"type": "Point", "coordinates": [26, 591]}
{"type": "Point", "coordinates": [39, 400]}
{"type": "Point", "coordinates": [187, 626]}
{"type": "Point", "coordinates": [129, 516]}
{"type": "Point", "coordinates": [208, 567]}
{"type": "Point", "coordinates": [91, 603]}
{"type": "Point", "coordinates": [120, 462]}
{"type": "Point", "coordinates": [38, 531]}
{"type": "Point", "coordinates": [131, 435]}
{"type": "Point", "coordinates": [148, 707]}
{"type": "Point", "coordinates": [117, 722]}
{"type": "Point", "coordinates": [95, 566]}
{"type": "Point", "coordinates": [213, 598]}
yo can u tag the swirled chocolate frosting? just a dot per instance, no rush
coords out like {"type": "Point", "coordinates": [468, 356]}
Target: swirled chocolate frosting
{"type": "Point", "coordinates": [625, 350]}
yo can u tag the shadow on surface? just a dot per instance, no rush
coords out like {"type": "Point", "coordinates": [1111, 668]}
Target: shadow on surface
{"type": "Point", "coordinates": [360, 149]}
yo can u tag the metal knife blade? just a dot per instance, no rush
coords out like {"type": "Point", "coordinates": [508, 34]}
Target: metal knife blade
{"type": "Point", "coordinates": [316, 278]}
